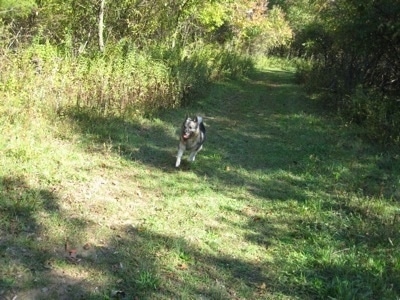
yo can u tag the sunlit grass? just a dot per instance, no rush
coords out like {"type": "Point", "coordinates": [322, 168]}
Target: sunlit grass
{"type": "Point", "coordinates": [283, 202]}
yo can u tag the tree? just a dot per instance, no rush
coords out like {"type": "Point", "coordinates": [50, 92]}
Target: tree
{"type": "Point", "coordinates": [101, 25]}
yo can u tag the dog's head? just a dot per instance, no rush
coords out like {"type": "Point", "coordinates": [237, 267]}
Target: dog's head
{"type": "Point", "coordinates": [190, 127]}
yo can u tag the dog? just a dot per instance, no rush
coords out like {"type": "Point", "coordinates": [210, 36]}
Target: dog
{"type": "Point", "coordinates": [192, 137]}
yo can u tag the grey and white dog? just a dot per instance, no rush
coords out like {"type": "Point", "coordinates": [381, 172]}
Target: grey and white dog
{"type": "Point", "coordinates": [192, 137]}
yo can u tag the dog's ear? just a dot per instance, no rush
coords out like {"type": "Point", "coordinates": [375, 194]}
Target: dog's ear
{"type": "Point", "coordinates": [186, 119]}
{"type": "Point", "coordinates": [198, 119]}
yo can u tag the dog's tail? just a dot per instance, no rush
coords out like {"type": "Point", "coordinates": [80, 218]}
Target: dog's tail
{"type": "Point", "coordinates": [198, 119]}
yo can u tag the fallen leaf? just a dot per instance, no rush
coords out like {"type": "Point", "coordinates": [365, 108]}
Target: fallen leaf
{"type": "Point", "coordinates": [73, 256]}
{"type": "Point", "coordinates": [182, 266]}
{"type": "Point", "coordinates": [72, 253]}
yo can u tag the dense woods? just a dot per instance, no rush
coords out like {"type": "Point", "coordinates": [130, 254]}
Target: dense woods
{"type": "Point", "coordinates": [134, 56]}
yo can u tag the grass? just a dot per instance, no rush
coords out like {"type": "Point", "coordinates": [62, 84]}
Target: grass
{"type": "Point", "coordinates": [284, 202]}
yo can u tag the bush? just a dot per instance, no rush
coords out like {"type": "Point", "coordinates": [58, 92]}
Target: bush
{"type": "Point", "coordinates": [195, 66]}
{"type": "Point", "coordinates": [379, 115]}
{"type": "Point", "coordinates": [232, 65]}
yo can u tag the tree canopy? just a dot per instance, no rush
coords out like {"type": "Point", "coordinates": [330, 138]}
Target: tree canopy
{"type": "Point", "coordinates": [245, 24]}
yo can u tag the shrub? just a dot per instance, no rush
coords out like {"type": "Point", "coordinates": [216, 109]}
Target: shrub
{"type": "Point", "coordinates": [193, 67]}
{"type": "Point", "coordinates": [232, 65]}
{"type": "Point", "coordinates": [379, 115]}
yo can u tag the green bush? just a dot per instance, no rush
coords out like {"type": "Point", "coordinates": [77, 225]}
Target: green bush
{"type": "Point", "coordinates": [379, 115]}
{"type": "Point", "coordinates": [195, 66]}
{"type": "Point", "coordinates": [233, 65]}
{"type": "Point", "coordinates": [376, 112]}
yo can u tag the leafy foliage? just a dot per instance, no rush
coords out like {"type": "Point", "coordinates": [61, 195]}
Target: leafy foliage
{"type": "Point", "coordinates": [11, 8]}
{"type": "Point", "coordinates": [355, 46]}
{"type": "Point", "coordinates": [158, 54]}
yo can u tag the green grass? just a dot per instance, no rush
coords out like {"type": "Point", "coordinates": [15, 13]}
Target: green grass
{"type": "Point", "coordinates": [284, 202]}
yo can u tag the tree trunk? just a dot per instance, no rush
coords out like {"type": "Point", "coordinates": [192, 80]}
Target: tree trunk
{"type": "Point", "coordinates": [101, 25]}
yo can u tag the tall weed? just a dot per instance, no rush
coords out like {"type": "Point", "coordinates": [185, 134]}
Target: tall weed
{"type": "Point", "coordinates": [123, 82]}
{"type": "Point", "coordinates": [194, 66]}
{"type": "Point", "coordinates": [232, 65]}
{"type": "Point", "coordinates": [110, 85]}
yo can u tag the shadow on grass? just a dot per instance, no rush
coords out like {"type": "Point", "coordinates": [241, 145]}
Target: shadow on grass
{"type": "Point", "coordinates": [131, 260]}
{"type": "Point", "coordinates": [25, 252]}
{"type": "Point", "coordinates": [134, 261]}
{"type": "Point", "coordinates": [144, 142]}
{"type": "Point", "coordinates": [265, 124]}
{"type": "Point", "coordinates": [266, 137]}
{"type": "Point", "coordinates": [350, 257]}
{"type": "Point", "coordinates": [139, 263]}
{"type": "Point", "coordinates": [241, 134]}
{"type": "Point", "coordinates": [30, 259]}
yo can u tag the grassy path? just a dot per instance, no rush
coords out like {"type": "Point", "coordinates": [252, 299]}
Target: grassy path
{"type": "Point", "coordinates": [282, 203]}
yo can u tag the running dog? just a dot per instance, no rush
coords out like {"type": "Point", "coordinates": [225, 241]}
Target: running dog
{"type": "Point", "coordinates": [192, 137]}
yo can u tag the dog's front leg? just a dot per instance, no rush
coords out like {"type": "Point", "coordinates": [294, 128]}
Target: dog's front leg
{"type": "Point", "coordinates": [192, 156]}
{"type": "Point", "coordinates": [181, 149]}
